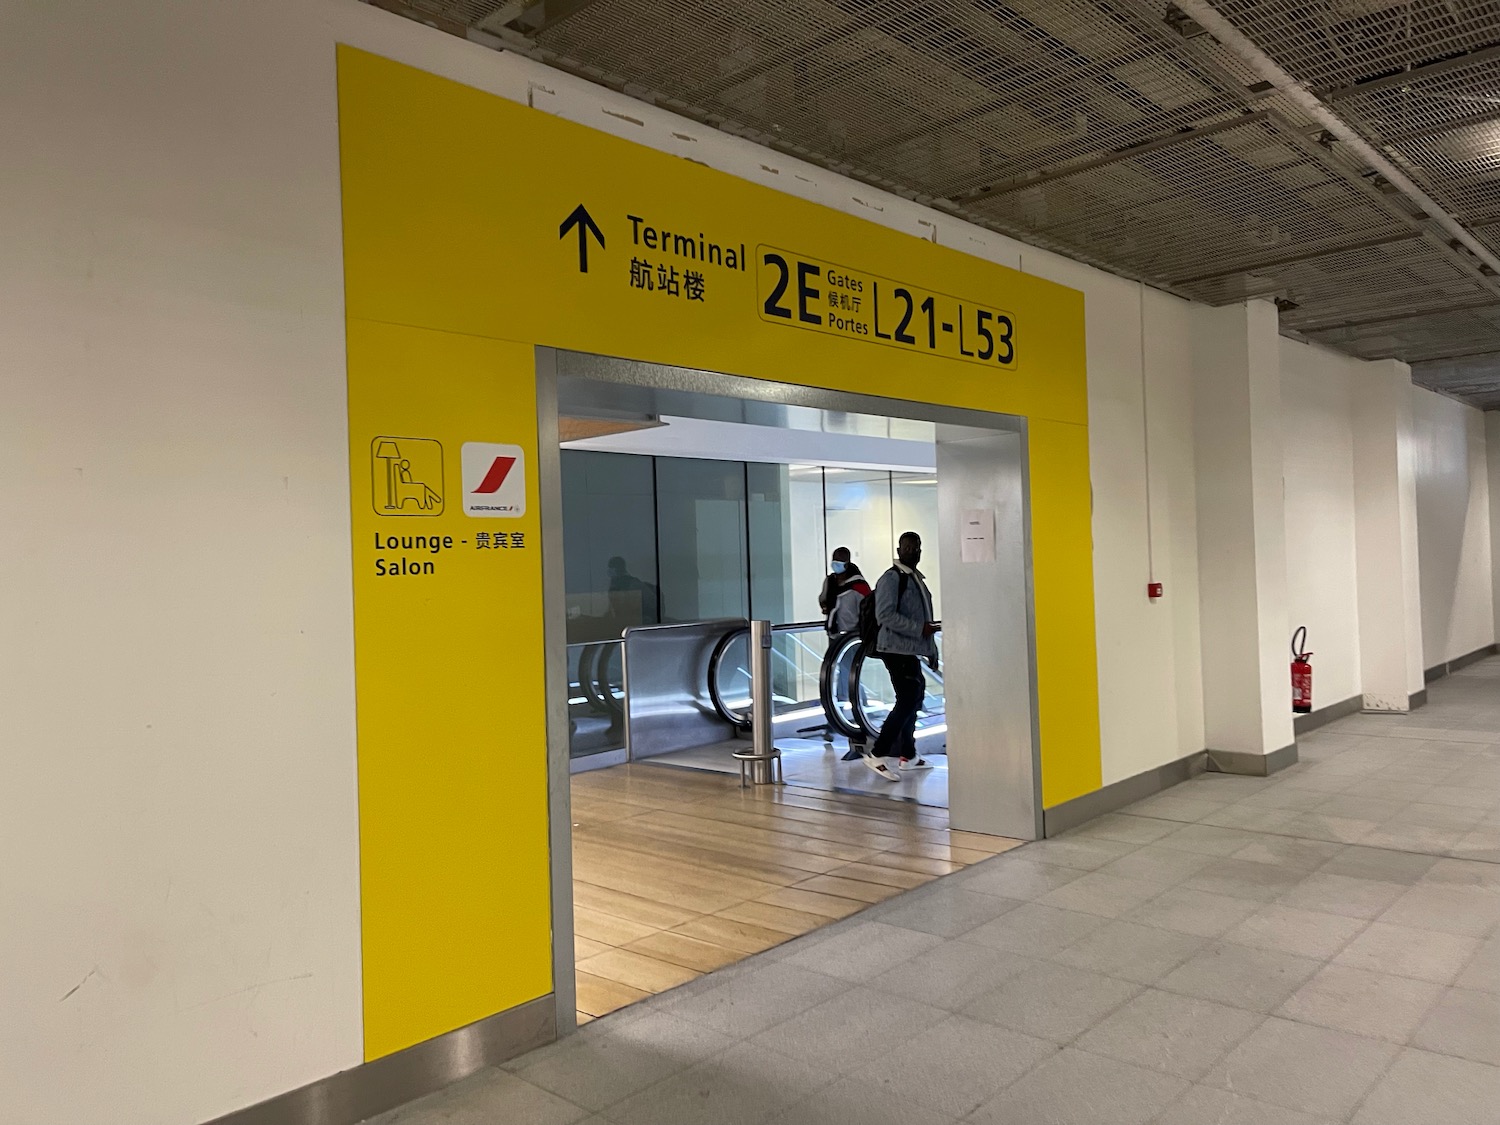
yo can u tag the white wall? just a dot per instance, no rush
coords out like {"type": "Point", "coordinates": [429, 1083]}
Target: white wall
{"type": "Point", "coordinates": [1150, 707]}
{"type": "Point", "coordinates": [1318, 453]}
{"type": "Point", "coordinates": [1453, 527]}
{"type": "Point", "coordinates": [1492, 459]}
{"type": "Point", "coordinates": [176, 701]}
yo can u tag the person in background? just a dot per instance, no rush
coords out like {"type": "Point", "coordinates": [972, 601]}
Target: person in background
{"type": "Point", "coordinates": [843, 590]}
{"type": "Point", "coordinates": [903, 608]}
{"type": "Point", "coordinates": [832, 580]}
{"type": "Point", "coordinates": [844, 616]}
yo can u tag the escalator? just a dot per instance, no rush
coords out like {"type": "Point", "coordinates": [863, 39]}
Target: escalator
{"type": "Point", "coordinates": [822, 691]}
{"type": "Point", "coordinates": [819, 687]}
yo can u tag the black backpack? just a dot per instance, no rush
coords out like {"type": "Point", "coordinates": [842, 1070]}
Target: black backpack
{"type": "Point", "coordinates": [869, 624]}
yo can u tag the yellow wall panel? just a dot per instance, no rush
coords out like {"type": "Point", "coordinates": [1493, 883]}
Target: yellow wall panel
{"type": "Point", "coordinates": [1063, 598]}
{"type": "Point", "coordinates": [455, 892]}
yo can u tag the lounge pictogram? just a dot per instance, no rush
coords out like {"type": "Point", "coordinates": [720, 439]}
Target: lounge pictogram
{"type": "Point", "coordinates": [408, 476]}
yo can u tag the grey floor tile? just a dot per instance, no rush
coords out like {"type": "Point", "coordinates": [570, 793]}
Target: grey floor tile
{"type": "Point", "coordinates": [1343, 894]}
{"type": "Point", "coordinates": [1207, 839]}
{"type": "Point", "coordinates": [1447, 909]}
{"type": "Point", "coordinates": [1016, 878]}
{"type": "Point", "coordinates": [1482, 844]}
{"type": "Point", "coordinates": [1289, 851]}
{"type": "Point", "coordinates": [1052, 1002]}
{"type": "Point", "coordinates": [839, 1033]}
{"type": "Point", "coordinates": [869, 1102]}
{"type": "Point", "coordinates": [1415, 837]}
{"type": "Point", "coordinates": [1193, 912]}
{"type": "Point", "coordinates": [946, 911]}
{"type": "Point", "coordinates": [483, 1098]}
{"type": "Point", "coordinates": [1173, 805]}
{"type": "Point", "coordinates": [595, 1071]}
{"type": "Point", "coordinates": [1130, 951]}
{"type": "Point", "coordinates": [865, 951]}
{"type": "Point", "coordinates": [1461, 817]}
{"type": "Point", "coordinates": [1314, 1070]}
{"type": "Point", "coordinates": [1252, 818]}
{"type": "Point", "coordinates": [1257, 980]}
{"type": "Point", "coordinates": [1205, 1105]}
{"type": "Point", "coordinates": [1287, 798]}
{"type": "Point", "coordinates": [1084, 854]}
{"type": "Point", "coordinates": [1403, 791]}
{"type": "Point", "coordinates": [1180, 1035]}
{"type": "Point", "coordinates": [1077, 1088]}
{"type": "Point", "coordinates": [1379, 865]}
{"type": "Point", "coordinates": [1426, 1089]}
{"type": "Point", "coordinates": [1407, 952]}
{"type": "Point", "coordinates": [1155, 864]}
{"type": "Point", "coordinates": [1465, 1023]}
{"type": "Point", "coordinates": [1318, 825]}
{"type": "Point", "coordinates": [753, 1001]}
{"type": "Point", "coordinates": [953, 974]}
{"type": "Point", "coordinates": [738, 1087]}
{"type": "Point", "coordinates": [1291, 929]}
{"type": "Point", "coordinates": [1374, 1005]}
{"type": "Point", "coordinates": [1225, 787]}
{"type": "Point", "coordinates": [1034, 930]}
{"type": "Point", "coordinates": [1349, 806]}
{"type": "Point", "coordinates": [1124, 828]}
{"type": "Point", "coordinates": [1240, 878]}
{"type": "Point", "coordinates": [1098, 893]}
{"type": "Point", "coordinates": [1475, 875]}
{"type": "Point", "coordinates": [955, 1066]}
{"type": "Point", "coordinates": [1482, 974]}
{"type": "Point", "coordinates": [1464, 796]}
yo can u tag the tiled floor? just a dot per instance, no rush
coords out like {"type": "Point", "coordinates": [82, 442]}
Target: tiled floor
{"type": "Point", "coordinates": [1319, 946]}
{"type": "Point", "coordinates": [680, 872]}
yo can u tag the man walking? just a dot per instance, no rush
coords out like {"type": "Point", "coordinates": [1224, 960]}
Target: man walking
{"type": "Point", "coordinates": [903, 610]}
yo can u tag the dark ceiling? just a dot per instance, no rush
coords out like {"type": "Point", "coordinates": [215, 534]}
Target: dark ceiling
{"type": "Point", "coordinates": [1121, 133]}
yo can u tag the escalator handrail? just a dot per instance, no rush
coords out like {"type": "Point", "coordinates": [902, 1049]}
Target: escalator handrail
{"type": "Point", "coordinates": [714, 693]}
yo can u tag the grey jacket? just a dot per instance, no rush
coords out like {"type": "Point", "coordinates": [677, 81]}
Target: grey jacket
{"type": "Point", "coordinates": [901, 624]}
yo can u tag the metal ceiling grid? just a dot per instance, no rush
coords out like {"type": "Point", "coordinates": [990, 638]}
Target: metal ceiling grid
{"type": "Point", "coordinates": [1342, 284]}
{"type": "Point", "coordinates": [1446, 126]}
{"type": "Point", "coordinates": [1215, 203]}
{"type": "Point", "coordinates": [1334, 43]}
{"type": "Point", "coordinates": [1419, 339]}
{"type": "Point", "coordinates": [948, 96]}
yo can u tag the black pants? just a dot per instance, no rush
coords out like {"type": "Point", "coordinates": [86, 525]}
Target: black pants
{"type": "Point", "coordinates": [897, 737]}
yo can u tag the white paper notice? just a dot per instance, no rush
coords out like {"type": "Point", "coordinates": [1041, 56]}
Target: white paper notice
{"type": "Point", "coordinates": [979, 535]}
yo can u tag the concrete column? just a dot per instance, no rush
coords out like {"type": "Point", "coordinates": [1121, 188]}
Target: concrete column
{"type": "Point", "coordinates": [1492, 459]}
{"type": "Point", "coordinates": [1385, 536]}
{"type": "Point", "coordinates": [1242, 540]}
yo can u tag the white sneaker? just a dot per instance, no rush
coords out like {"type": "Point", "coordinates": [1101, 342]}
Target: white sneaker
{"type": "Point", "coordinates": [882, 766]}
{"type": "Point", "coordinates": [917, 763]}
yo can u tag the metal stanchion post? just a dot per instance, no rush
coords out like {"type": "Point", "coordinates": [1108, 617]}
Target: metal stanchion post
{"type": "Point", "coordinates": [763, 755]}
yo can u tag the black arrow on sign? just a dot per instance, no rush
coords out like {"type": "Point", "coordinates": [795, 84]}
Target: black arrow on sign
{"type": "Point", "coordinates": [581, 219]}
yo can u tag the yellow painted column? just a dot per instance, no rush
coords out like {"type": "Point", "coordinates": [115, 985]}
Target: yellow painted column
{"type": "Point", "coordinates": [1067, 661]}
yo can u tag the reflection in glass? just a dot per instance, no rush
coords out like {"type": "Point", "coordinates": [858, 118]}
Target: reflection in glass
{"type": "Point", "coordinates": [609, 526]}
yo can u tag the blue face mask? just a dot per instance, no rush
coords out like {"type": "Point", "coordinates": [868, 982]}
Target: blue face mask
{"type": "Point", "coordinates": [838, 567]}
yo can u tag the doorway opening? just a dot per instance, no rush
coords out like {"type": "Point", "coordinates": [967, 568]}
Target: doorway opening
{"type": "Point", "coordinates": [690, 503]}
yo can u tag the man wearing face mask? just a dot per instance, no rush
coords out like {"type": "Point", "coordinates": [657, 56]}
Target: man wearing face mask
{"type": "Point", "coordinates": [833, 582]}
{"type": "Point", "coordinates": [903, 609]}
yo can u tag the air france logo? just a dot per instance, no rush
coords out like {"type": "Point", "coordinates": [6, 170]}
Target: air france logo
{"type": "Point", "coordinates": [494, 480]}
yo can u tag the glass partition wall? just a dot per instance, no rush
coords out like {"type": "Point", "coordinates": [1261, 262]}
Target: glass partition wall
{"type": "Point", "coordinates": [663, 540]}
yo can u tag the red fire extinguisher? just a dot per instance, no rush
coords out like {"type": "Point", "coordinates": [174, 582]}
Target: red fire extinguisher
{"type": "Point", "coordinates": [1301, 673]}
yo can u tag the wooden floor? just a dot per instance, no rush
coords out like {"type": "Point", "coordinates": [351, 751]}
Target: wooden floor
{"type": "Point", "coordinates": [680, 872]}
